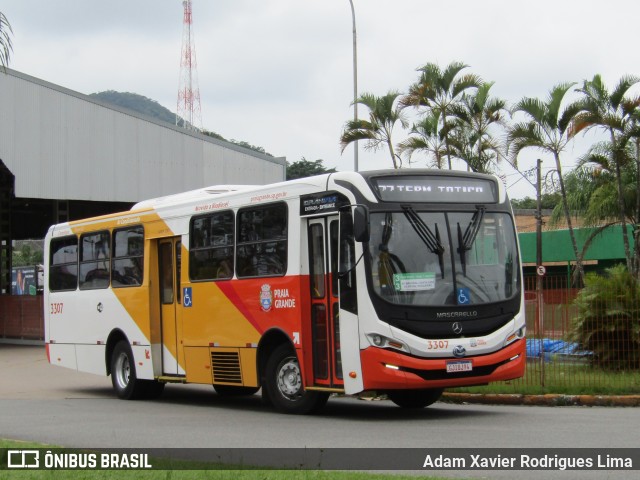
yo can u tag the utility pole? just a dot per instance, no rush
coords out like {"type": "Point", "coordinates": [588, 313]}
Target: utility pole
{"type": "Point", "coordinates": [355, 84]}
{"type": "Point", "coordinates": [539, 267]}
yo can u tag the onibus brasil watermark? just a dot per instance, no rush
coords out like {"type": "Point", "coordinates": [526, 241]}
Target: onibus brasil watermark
{"type": "Point", "coordinates": [37, 459]}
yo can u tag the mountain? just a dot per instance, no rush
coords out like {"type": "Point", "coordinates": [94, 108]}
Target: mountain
{"type": "Point", "coordinates": [151, 108]}
{"type": "Point", "coordinates": [137, 103]}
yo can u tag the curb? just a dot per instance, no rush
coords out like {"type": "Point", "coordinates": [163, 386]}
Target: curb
{"type": "Point", "coordinates": [549, 400]}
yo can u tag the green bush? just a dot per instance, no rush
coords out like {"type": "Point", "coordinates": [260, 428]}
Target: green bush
{"type": "Point", "coordinates": [608, 319]}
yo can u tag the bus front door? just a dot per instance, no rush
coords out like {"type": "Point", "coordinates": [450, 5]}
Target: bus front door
{"type": "Point", "coordinates": [169, 280]}
{"type": "Point", "coordinates": [322, 236]}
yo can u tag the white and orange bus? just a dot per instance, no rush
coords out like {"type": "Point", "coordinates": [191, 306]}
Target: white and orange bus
{"type": "Point", "coordinates": [398, 282]}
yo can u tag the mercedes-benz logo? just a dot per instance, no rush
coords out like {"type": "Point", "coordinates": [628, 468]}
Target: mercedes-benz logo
{"type": "Point", "coordinates": [459, 351]}
{"type": "Point", "coordinates": [457, 328]}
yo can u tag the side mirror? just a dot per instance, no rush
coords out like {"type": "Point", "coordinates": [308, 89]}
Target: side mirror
{"type": "Point", "coordinates": [361, 230]}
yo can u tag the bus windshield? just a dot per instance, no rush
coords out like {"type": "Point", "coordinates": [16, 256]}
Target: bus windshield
{"type": "Point", "coordinates": [443, 258]}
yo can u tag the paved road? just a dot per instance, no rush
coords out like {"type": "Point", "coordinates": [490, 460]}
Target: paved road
{"type": "Point", "coordinates": [54, 405]}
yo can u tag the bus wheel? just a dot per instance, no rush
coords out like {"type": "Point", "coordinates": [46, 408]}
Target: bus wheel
{"type": "Point", "coordinates": [415, 398]}
{"type": "Point", "coordinates": [284, 384]}
{"type": "Point", "coordinates": [233, 391]}
{"type": "Point", "coordinates": [123, 372]}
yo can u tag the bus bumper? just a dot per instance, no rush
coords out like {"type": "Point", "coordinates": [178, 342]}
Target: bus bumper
{"type": "Point", "coordinates": [389, 370]}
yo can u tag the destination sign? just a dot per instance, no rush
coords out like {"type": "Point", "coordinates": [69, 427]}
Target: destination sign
{"type": "Point", "coordinates": [435, 189]}
{"type": "Point", "coordinates": [325, 202]}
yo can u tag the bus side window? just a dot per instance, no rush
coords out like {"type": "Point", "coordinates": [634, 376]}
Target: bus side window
{"type": "Point", "coordinates": [211, 246]}
{"type": "Point", "coordinates": [128, 257]}
{"type": "Point", "coordinates": [95, 252]}
{"type": "Point", "coordinates": [262, 241]}
{"type": "Point", "coordinates": [63, 272]}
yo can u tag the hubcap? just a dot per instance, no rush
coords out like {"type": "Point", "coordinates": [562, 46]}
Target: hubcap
{"type": "Point", "coordinates": [122, 371]}
{"type": "Point", "coordinates": [289, 379]}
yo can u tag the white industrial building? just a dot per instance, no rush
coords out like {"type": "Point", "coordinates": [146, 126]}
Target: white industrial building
{"type": "Point", "coordinates": [64, 155]}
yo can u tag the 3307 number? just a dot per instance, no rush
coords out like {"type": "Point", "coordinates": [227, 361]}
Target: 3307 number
{"type": "Point", "coordinates": [56, 308]}
{"type": "Point", "coordinates": [437, 344]}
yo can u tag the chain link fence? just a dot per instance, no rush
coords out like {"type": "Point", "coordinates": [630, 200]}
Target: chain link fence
{"type": "Point", "coordinates": [557, 363]}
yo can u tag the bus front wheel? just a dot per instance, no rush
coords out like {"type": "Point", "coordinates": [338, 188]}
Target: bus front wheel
{"type": "Point", "coordinates": [415, 398]}
{"type": "Point", "coordinates": [284, 386]}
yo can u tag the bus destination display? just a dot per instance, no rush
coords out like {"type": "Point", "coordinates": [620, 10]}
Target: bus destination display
{"type": "Point", "coordinates": [435, 189]}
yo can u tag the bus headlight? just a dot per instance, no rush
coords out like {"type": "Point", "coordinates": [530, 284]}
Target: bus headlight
{"type": "Point", "coordinates": [381, 341]}
{"type": "Point", "coordinates": [516, 336]}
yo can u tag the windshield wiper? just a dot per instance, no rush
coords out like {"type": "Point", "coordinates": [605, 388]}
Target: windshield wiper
{"type": "Point", "coordinates": [465, 242]}
{"type": "Point", "coordinates": [425, 234]}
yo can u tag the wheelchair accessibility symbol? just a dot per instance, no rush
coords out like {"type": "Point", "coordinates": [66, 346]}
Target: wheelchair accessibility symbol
{"type": "Point", "coordinates": [187, 297]}
{"type": "Point", "coordinates": [464, 296]}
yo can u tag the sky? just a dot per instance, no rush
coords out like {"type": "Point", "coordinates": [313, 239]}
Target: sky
{"type": "Point", "coordinates": [279, 73]}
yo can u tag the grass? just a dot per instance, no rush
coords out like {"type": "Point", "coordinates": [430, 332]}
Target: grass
{"type": "Point", "coordinates": [559, 377]}
{"type": "Point", "coordinates": [171, 470]}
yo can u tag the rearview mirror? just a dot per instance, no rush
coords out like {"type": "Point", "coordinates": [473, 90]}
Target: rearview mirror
{"type": "Point", "coordinates": [361, 231]}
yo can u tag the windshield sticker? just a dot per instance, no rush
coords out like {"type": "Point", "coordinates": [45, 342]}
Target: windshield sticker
{"type": "Point", "coordinates": [464, 296]}
{"type": "Point", "coordinates": [413, 282]}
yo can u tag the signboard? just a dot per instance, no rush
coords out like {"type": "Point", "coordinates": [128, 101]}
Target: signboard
{"type": "Point", "coordinates": [541, 270]}
{"type": "Point", "coordinates": [319, 203]}
{"type": "Point", "coordinates": [439, 189]}
{"type": "Point", "coordinates": [24, 281]}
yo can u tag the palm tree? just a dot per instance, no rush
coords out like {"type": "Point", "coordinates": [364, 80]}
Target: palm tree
{"type": "Point", "coordinates": [439, 90]}
{"type": "Point", "coordinates": [593, 188]}
{"type": "Point", "coordinates": [616, 114]}
{"type": "Point", "coordinates": [478, 152]}
{"type": "Point", "coordinates": [383, 116]}
{"type": "Point", "coordinates": [592, 192]}
{"type": "Point", "coordinates": [547, 128]}
{"type": "Point", "coordinates": [5, 41]}
{"type": "Point", "coordinates": [425, 137]}
{"type": "Point", "coordinates": [475, 116]}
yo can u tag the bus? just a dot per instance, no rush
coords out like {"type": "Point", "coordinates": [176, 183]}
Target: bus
{"type": "Point", "coordinates": [398, 283]}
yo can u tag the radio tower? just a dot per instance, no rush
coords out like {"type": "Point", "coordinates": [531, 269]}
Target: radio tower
{"type": "Point", "coordinates": [188, 114]}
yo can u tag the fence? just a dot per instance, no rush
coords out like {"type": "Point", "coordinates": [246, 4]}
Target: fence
{"type": "Point", "coordinates": [556, 364]}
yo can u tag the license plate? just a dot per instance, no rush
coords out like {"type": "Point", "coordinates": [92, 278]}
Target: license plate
{"type": "Point", "coordinates": [463, 366]}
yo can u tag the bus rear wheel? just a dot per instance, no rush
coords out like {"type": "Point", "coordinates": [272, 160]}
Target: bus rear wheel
{"type": "Point", "coordinates": [415, 398]}
{"type": "Point", "coordinates": [123, 376]}
{"type": "Point", "coordinates": [284, 387]}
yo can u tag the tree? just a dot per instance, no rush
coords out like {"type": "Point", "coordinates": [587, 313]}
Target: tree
{"type": "Point", "coordinates": [425, 137]}
{"type": "Point", "coordinates": [546, 128]}
{"type": "Point", "coordinates": [616, 113]}
{"type": "Point", "coordinates": [377, 131]}
{"type": "Point", "coordinates": [475, 116]}
{"type": "Point", "coordinates": [549, 201]}
{"type": "Point", "coordinates": [592, 190]}
{"type": "Point", "coordinates": [438, 90]}
{"type": "Point", "coordinates": [606, 322]}
{"type": "Point", "coordinates": [306, 168]}
{"type": "Point", "coordinates": [242, 143]}
{"type": "Point", "coordinates": [5, 41]}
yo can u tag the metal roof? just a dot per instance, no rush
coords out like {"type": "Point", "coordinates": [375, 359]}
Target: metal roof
{"type": "Point", "coordinates": [61, 144]}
